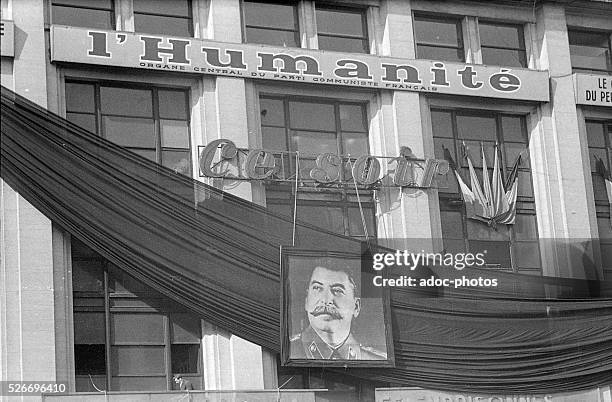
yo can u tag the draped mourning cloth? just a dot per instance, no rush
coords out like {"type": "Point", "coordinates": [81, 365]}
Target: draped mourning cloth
{"type": "Point", "coordinates": [218, 255]}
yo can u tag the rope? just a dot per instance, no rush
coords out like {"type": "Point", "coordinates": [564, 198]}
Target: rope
{"type": "Point", "coordinates": [363, 221]}
{"type": "Point", "coordinates": [297, 176]}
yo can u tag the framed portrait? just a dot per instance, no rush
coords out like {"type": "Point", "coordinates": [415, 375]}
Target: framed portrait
{"type": "Point", "coordinates": [330, 313]}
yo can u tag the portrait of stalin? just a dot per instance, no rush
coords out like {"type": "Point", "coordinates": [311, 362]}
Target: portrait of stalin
{"type": "Point", "coordinates": [332, 305]}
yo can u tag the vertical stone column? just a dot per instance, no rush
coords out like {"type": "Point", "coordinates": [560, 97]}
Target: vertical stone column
{"type": "Point", "coordinates": [27, 321]}
{"type": "Point", "coordinates": [403, 120]}
{"type": "Point", "coordinates": [558, 166]}
{"type": "Point", "coordinates": [230, 361]}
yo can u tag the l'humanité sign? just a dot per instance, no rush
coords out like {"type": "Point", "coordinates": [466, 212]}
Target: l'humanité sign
{"type": "Point", "coordinates": [190, 55]}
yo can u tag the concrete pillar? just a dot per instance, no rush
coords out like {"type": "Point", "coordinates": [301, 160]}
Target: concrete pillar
{"type": "Point", "coordinates": [558, 167]}
{"type": "Point", "coordinates": [231, 362]}
{"type": "Point", "coordinates": [412, 214]}
{"type": "Point", "coordinates": [27, 331]}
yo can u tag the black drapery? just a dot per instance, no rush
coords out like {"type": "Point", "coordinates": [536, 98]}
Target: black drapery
{"type": "Point", "coordinates": [218, 255]}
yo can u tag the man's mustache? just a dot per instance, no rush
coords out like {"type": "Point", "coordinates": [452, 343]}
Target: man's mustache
{"type": "Point", "coordinates": [329, 310]}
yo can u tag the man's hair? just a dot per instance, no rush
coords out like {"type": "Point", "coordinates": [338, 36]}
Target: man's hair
{"type": "Point", "coordinates": [353, 273]}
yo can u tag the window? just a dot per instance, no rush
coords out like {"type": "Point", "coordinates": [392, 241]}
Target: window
{"type": "Point", "coordinates": [340, 128]}
{"type": "Point", "coordinates": [342, 29]}
{"type": "Point", "coordinates": [438, 38]}
{"type": "Point", "coordinates": [152, 122]}
{"type": "Point", "coordinates": [271, 23]}
{"type": "Point", "coordinates": [163, 17]}
{"type": "Point", "coordinates": [509, 246]}
{"type": "Point", "coordinates": [502, 44]}
{"type": "Point", "coordinates": [590, 51]}
{"type": "Point", "coordinates": [599, 134]}
{"type": "Point", "coordinates": [83, 13]}
{"type": "Point", "coordinates": [127, 336]}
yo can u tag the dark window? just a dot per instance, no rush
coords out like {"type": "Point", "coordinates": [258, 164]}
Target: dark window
{"type": "Point", "coordinates": [83, 13]}
{"type": "Point", "coordinates": [163, 17]}
{"type": "Point", "coordinates": [127, 336]}
{"type": "Point", "coordinates": [152, 122]}
{"type": "Point", "coordinates": [438, 38]}
{"type": "Point", "coordinates": [599, 134]}
{"type": "Point", "coordinates": [590, 51]}
{"type": "Point", "coordinates": [342, 29]}
{"type": "Point", "coordinates": [340, 128]}
{"type": "Point", "coordinates": [271, 23]}
{"type": "Point", "coordinates": [509, 246]}
{"type": "Point", "coordinates": [502, 44]}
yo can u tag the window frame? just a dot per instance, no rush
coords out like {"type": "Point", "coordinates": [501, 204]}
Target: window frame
{"type": "Point", "coordinates": [453, 202]}
{"type": "Point", "coordinates": [521, 39]}
{"type": "Point", "coordinates": [609, 48]}
{"type": "Point", "coordinates": [445, 18]}
{"type": "Point", "coordinates": [296, 16]}
{"type": "Point", "coordinates": [189, 18]}
{"type": "Point", "coordinates": [112, 10]}
{"type": "Point", "coordinates": [350, 9]}
{"type": "Point", "coordinates": [140, 302]}
{"type": "Point", "coordinates": [154, 89]}
{"type": "Point", "coordinates": [344, 203]}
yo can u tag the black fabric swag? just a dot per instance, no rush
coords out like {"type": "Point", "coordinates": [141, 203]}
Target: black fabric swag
{"type": "Point", "coordinates": [218, 255]}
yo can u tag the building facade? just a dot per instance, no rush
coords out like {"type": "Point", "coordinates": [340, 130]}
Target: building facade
{"type": "Point", "coordinates": [68, 315]}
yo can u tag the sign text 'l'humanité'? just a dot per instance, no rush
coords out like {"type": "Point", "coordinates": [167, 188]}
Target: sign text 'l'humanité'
{"type": "Point", "coordinates": [191, 55]}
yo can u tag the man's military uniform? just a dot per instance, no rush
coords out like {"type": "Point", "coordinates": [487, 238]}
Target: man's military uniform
{"type": "Point", "coordinates": [308, 345]}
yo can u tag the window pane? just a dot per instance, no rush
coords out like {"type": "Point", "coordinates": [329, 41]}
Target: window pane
{"type": "Point", "coordinates": [172, 104]}
{"type": "Point", "coordinates": [473, 148]}
{"type": "Point", "coordinates": [590, 50]}
{"type": "Point", "coordinates": [137, 360]}
{"type": "Point", "coordinates": [497, 252]}
{"type": "Point", "coordinates": [504, 57]}
{"type": "Point", "coordinates": [271, 37]}
{"type": "Point", "coordinates": [525, 227]}
{"type": "Point", "coordinates": [86, 121]}
{"type": "Point", "coordinates": [155, 24]}
{"type": "Point", "coordinates": [525, 189]}
{"type": "Point", "coordinates": [440, 144]}
{"type": "Point", "coordinates": [89, 359]}
{"type": "Point", "coordinates": [513, 128]}
{"type": "Point", "coordinates": [82, 17]}
{"type": "Point", "coordinates": [87, 276]}
{"type": "Point", "coordinates": [352, 118]}
{"type": "Point", "coordinates": [595, 134]}
{"type": "Point", "coordinates": [272, 112]}
{"type": "Point", "coordinates": [355, 144]}
{"type": "Point", "coordinates": [158, 383]}
{"type": "Point", "coordinates": [312, 116]}
{"type": "Point", "coordinates": [322, 216]}
{"type": "Point", "coordinates": [527, 255]}
{"type": "Point", "coordinates": [84, 382]}
{"type": "Point", "coordinates": [452, 225]}
{"type": "Point", "coordinates": [137, 328]}
{"type": "Point", "coordinates": [126, 101]}
{"type": "Point", "coordinates": [342, 22]}
{"type": "Point", "coordinates": [454, 246]}
{"type": "Point", "coordinates": [175, 133]}
{"type": "Point", "coordinates": [597, 154]}
{"type": "Point", "coordinates": [513, 150]}
{"type": "Point", "coordinates": [442, 125]}
{"type": "Point", "coordinates": [480, 128]}
{"type": "Point", "coordinates": [185, 328]}
{"type": "Point", "coordinates": [149, 154]}
{"type": "Point", "coordinates": [89, 328]}
{"type": "Point", "coordinates": [185, 358]}
{"type": "Point", "coordinates": [177, 161]}
{"type": "Point", "coordinates": [165, 7]}
{"type": "Point", "coordinates": [274, 138]}
{"type": "Point", "coordinates": [481, 231]}
{"type": "Point", "coordinates": [338, 44]}
{"type": "Point", "coordinates": [440, 53]}
{"type": "Point", "coordinates": [437, 31]}
{"type": "Point", "coordinates": [269, 15]}
{"type": "Point", "coordinates": [599, 189]}
{"type": "Point", "coordinates": [314, 143]}
{"type": "Point", "coordinates": [130, 131]}
{"type": "Point", "coordinates": [507, 36]}
{"type": "Point", "coordinates": [356, 223]}
{"type": "Point", "coordinates": [108, 4]}
{"type": "Point", "coordinates": [281, 209]}
{"type": "Point", "coordinates": [604, 226]}
{"type": "Point", "coordinates": [80, 97]}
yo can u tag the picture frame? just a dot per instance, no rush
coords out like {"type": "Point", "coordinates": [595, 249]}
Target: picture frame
{"type": "Point", "coordinates": [331, 315]}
